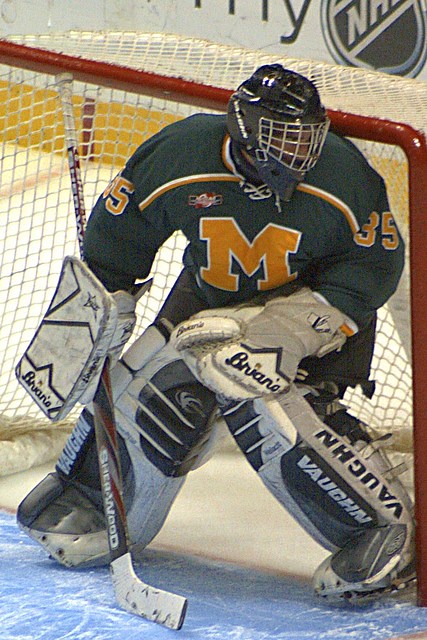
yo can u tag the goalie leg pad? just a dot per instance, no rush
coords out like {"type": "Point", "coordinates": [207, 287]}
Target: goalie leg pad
{"type": "Point", "coordinates": [332, 479]}
{"type": "Point", "coordinates": [269, 448]}
{"type": "Point", "coordinates": [167, 413]}
{"type": "Point", "coordinates": [168, 422]}
{"type": "Point", "coordinates": [65, 514]}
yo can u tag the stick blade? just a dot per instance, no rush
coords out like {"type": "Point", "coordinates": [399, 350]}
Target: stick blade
{"type": "Point", "coordinates": [133, 595]}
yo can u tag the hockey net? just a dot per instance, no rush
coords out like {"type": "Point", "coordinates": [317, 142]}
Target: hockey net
{"type": "Point", "coordinates": [126, 87]}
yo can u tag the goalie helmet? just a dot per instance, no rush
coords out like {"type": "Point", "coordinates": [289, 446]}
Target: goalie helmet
{"type": "Point", "coordinates": [277, 117]}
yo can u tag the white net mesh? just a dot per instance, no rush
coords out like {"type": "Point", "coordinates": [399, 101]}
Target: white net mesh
{"type": "Point", "coordinates": [36, 215]}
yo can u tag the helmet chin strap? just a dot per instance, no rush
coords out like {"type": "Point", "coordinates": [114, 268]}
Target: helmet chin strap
{"type": "Point", "coordinates": [281, 180]}
{"type": "Point", "coordinates": [259, 169]}
{"type": "Point", "coordinates": [245, 163]}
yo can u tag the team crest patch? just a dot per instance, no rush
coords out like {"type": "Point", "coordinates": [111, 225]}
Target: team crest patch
{"type": "Point", "coordinates": [205, 200]}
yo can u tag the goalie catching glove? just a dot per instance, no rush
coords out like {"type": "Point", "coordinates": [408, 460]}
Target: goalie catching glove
{"type": "Point", "coordinates": [83, 326]}
{"type": "Point", "coordinates": [245, 352]}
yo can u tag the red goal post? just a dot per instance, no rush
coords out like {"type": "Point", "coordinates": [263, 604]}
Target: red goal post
{"type": "Point", "coordinates": [361, 104]}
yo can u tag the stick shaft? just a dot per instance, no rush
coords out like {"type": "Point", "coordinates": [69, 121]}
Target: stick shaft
{"type": "Point", "coordinates": [64, 84]}
{"type": "Point", "coordinates": [163, 607]}
{"type": "Point", "coordinates": [105, 426]}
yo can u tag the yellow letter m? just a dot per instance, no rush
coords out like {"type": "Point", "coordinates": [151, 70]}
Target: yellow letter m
{"type": "Point", "coordinates": [270, 248]}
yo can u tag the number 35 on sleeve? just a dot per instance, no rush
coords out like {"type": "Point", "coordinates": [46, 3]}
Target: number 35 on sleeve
{"type": "Point", "coordinates": [378, 223]}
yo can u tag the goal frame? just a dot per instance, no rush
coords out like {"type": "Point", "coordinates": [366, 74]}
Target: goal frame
{"type": "Point", "coordinates": [411, 141]}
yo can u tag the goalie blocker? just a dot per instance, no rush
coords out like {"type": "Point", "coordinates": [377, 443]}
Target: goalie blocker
{"type": "Point", "coordinates": [82, 326]}
{"type": "Point", "coordinates": [316, 459]}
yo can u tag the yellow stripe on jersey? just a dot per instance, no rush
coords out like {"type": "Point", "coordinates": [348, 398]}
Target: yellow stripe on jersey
{"type": "Point", "coordinates": [306, 188]}
{"type": "Point", "coordinates": [179, 182]}
{"type": "Point", "coordinates": [204, 177]}
{"type": "Point", "coordinates": [334, 201]}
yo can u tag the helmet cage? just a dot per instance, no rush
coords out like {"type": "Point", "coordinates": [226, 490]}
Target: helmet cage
{"type": "Point", "coordinates": [277, 117]}
{"type": "Point", "coordinates": [294, 145]}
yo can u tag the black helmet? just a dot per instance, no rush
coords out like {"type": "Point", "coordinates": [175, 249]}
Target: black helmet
{"type": "Point", "coordinates": [278, 117]}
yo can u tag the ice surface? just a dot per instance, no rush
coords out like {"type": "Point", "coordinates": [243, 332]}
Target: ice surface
{"type": "Point", "coordinates": [39, 600]}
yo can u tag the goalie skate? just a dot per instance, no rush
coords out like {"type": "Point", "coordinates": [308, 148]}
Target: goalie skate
{"type": "Point", "coordinates": [367, 566]}
{"type": "Point", "coordinates": [66, 523]}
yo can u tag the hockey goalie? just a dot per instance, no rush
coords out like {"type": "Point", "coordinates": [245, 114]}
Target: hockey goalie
{"type": "Point", "coordinates": [291, 250]}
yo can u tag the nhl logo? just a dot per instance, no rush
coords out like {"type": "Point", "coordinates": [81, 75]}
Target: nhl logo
{"type": "Point", "coordinates": [385, 35]}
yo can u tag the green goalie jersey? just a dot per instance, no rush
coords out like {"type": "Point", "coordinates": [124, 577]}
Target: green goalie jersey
{"type": "Point", "coordinates": [336, 234]}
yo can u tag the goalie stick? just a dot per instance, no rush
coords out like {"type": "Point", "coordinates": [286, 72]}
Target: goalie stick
{"type": "Point", "coordinates": [131, 593]}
